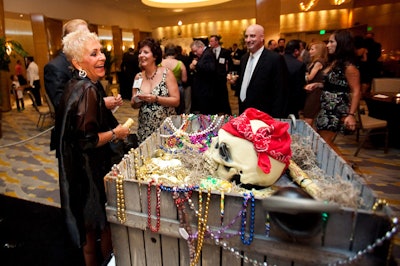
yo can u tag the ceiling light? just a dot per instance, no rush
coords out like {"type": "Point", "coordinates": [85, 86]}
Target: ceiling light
{"type": "Point", "coordinates": [338, 2]}
{"type": "Point", "coordinates": [309, 5]}
{"type": "Point", "coordinates": [182, 3]}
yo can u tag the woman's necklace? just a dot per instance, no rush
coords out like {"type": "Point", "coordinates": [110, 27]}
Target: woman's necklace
{"type": "Point", "coordinates": [152, 76]}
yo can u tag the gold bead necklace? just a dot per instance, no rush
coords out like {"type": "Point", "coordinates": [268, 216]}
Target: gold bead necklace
{"type": "Point", "coordinates": [202, 225]}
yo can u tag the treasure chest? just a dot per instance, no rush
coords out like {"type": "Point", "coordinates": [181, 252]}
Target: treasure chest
{"type": "Point", "coordinates": [153, 224]}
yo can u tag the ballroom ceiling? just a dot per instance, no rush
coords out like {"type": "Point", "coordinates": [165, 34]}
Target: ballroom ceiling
{"type": "Point", "coordinates": [135, 6]}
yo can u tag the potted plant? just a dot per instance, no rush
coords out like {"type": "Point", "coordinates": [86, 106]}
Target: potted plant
{"type": "Point", "coordinates": [7, 47]}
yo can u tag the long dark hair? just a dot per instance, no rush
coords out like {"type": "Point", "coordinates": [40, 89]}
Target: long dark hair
{"type": "Point", "coordinates": [345, 51]}
{"type": "Point", "coordinates": [154, 47]}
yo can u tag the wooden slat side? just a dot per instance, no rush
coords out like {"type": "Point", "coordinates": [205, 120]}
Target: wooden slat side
{"type": "Point", "coordinates": [121, 244]}
{"type": "Point", "coordinates": [169, 245]}
{"type": "Point", "coordinates": [152, 246]}
{"type": "Point", "coordinates": [136, 247]}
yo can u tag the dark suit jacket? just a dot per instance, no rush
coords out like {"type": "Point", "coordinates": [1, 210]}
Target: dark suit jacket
{"type": "Point", "coordinates": [267, 90]}
{"type": "Point", "coordinates": [224, 63]}
{"type": "Point", "coordinates": [203, 87]}
{"type": "Point", "coordinates": [297, 94]}
{"type": "Point", "coordinates": [56, 75]}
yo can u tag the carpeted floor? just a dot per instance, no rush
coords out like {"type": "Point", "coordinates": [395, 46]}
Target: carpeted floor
{"type": "Point", "coordinates": [28, 169]}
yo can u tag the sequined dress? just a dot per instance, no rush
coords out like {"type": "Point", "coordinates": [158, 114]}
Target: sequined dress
{"type": "Point", "coordinates": [335, 101]}
{"type": "Point", "coordinates": [151, 115]}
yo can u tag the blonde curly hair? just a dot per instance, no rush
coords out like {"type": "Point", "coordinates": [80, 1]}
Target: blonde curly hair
{"type": "Point", "coordinates": [74, 44]}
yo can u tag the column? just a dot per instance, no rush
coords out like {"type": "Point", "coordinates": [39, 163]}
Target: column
{"type": "Point", "coordinates": [40, 43]}
{"type": "Point", "coordinates": [136, 37]}
{"type": "Point", "coordinates": [5, 104]}
{"type": "Point", "coordinates": [268, 15]}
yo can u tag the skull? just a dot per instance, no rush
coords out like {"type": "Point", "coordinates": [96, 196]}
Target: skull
{"type": "Point", "coordinates": [229, 156]}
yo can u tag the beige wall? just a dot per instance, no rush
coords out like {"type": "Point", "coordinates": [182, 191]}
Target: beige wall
{"type": "Point", "coordinates": [383, 18]}
{"type": "Point", "coordinates": [231, 32]}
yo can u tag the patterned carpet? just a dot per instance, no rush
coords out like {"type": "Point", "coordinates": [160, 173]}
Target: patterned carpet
{"type": "Point", "coordinates": [28, 169]}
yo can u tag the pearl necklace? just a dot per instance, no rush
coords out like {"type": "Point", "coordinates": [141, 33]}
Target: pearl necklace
{"type": "Point", "coordinates": [215, 124]}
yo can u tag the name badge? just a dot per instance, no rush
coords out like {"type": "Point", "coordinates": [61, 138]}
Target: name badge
{"type": "Point", "coordinates": [137, 83]}
{"type": "Point", "coordinates": [222, 60]}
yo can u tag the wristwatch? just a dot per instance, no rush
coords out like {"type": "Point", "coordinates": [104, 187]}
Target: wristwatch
{"type": "Point", "coordinates": [113, 137]}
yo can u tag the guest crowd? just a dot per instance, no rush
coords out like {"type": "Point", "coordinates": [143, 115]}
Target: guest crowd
{"type": "Point", "coordinates": [321, 83]}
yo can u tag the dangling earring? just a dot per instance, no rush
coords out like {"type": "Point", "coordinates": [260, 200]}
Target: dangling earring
{"type": "Point", "coordinates": [82, 73]}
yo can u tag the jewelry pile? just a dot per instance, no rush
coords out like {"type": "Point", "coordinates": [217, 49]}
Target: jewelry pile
{"type": "Point", "coordinates": [177, 167]}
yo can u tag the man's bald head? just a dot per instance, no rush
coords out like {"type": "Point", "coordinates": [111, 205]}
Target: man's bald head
{"type": "Point", "coordinates": [254, 37]}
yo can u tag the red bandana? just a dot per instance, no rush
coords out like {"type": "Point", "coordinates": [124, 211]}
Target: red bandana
{"type": "Point", "coordinates": [272, 140]}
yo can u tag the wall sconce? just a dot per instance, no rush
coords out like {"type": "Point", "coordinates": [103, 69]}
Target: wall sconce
{"type": "Point", "coordinates": [8, 48]}
{"type": "Point", "coordinates": [109, 47]}
{"type": "Point", "coordinates": [179, 28]}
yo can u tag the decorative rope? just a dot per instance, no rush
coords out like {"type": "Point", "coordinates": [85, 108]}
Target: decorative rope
{"type": "Point", "coordinates": [26, 140]}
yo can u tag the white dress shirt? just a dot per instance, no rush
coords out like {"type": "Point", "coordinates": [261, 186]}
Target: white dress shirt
{"type": "Point", "coordinates": [32, 73]}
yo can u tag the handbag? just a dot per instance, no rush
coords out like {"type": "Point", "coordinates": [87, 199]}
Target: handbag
{"type": "Point", "coordinates": [121, 147]}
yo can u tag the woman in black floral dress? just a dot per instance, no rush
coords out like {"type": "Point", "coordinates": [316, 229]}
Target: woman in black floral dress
{"type": "Point", "coordinates": [155, 90]}
{"type": "Point", "coordinates": [340, 90]}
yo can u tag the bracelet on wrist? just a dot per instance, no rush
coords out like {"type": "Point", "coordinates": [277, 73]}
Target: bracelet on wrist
{"type": "Point", "coordinates": [114, 136]}
{"type": "Point", "coordinates": [351, 114]}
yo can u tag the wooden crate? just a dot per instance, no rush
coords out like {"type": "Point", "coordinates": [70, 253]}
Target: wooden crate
{"type": "Point", "coordinates": [344, 238]}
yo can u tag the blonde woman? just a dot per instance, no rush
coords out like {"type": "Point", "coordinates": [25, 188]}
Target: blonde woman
{"type": "Point", "coordinates": [84, 131]}
{"type": "Point", "coordinates": [319, 57]}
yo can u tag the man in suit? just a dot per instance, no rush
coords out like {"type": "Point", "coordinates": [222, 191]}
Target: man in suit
{"type": "Point", "coordinates": [223, 64]}
{"type": "Point", "coordinates": [59, 70]}
{"type": "Point", "coordinates": [297, 72]}
{"type": "Point", "coordinates": [204, 76]}
{"type": "Point", "coordinates": [263, 76]}
{"type": "Point", "coordinates": [129, 69]}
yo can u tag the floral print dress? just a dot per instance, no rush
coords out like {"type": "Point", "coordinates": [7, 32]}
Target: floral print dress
{"type": "Point", "coordinates": [335, 101]}
{"type": "Point", "coordinates": [151, 115]}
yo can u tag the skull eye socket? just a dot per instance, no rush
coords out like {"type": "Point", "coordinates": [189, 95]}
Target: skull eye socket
{"type": "Point", "coordinates": [216, 146]}
{"type": "Point", "coordinates": [224, 152]}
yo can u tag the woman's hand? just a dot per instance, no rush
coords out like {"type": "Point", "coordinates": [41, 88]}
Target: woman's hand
{"type": "Point", "coordinates": [149, 98]}
{"type": "Point", "coordinates": [350, 122]}
{"type": "Point", "coordinates": [312, 86]}
{"type": "Point", "coordinates": [112, 102]}
{"type": "Point", "coordinates": [231, 78]}
{"type": "Point", "coordinates": [121, 132]}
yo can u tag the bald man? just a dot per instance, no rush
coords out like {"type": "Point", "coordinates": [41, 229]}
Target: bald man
{"type": "Point", "coordinates": [262, 83]}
